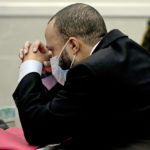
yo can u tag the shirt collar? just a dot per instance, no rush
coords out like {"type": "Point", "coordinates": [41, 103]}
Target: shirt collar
{"type": "Point", "coordinates": [94, 48]}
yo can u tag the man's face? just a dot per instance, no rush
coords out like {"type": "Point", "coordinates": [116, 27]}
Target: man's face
{"type": "Point", "coordinates": [64, 60]}
{"type": "Point", "coordinates": [54, 44]}
{"type": "Point", "coordinates": [53, 40]}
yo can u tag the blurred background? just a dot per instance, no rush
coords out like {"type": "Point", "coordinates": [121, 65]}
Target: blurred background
{"type": "Point", "coordinates": [22, 20]}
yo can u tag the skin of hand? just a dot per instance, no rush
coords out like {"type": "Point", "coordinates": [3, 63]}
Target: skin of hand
{"type": "Point", "coordinates": [36, 56]}
{"type": "Point", "coordinates": [36, 51]}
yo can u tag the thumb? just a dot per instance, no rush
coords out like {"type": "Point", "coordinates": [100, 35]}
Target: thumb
{"type": "Point", "coordinates": [46, 63]}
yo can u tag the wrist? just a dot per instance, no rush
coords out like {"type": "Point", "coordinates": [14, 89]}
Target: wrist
{"type": "Point", "coordinates": [30, 66]}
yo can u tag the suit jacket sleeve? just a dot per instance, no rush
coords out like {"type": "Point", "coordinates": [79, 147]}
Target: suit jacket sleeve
{"type": "Point", "coordinates": [50, 116]}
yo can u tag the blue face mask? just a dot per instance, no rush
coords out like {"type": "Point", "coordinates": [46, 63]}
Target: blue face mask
{"type": "Point", "coordinates": [57, 71]}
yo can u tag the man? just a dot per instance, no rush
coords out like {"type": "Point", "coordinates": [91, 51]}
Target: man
{"type": "Point", "coordinates": [101, 98]}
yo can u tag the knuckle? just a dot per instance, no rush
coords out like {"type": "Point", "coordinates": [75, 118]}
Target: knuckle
{"type": "Point", "coordinates": [37, 41]}
{"type": "Point", "coordinates": [27, 44]}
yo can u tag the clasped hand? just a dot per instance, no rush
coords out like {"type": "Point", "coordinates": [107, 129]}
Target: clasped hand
{"type": "Point", "coordinates": [36, 51]}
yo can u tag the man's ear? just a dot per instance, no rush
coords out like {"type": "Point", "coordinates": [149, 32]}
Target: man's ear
{"type": "Point", "coordinates": [75, 44]}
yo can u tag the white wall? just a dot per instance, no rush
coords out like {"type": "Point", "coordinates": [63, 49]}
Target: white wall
{"type": "Point", "coordinates": [26, 20]}
{"type": "Point", "coordinates": [13, 32]}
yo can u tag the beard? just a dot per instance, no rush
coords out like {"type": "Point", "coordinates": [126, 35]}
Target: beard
{"type": "Point", "coordinates": [65, 60]}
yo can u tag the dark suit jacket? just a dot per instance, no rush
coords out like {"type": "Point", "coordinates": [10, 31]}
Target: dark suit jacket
{"type": "Point", "coordinates": [104, 104]}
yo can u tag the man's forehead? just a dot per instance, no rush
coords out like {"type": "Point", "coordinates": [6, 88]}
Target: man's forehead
{"type": "Point", "coordinates": [50, 29]}
{"type": "Point", "coordinates": [51, 24]}
{"type": "Point", "coordinates": [46, 32]}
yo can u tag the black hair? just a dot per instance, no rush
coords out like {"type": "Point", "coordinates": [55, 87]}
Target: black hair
{"type": "Point", "coordinates": [80, 20]}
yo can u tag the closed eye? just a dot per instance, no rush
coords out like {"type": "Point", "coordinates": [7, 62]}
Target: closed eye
{"type": "Point", "coordinates": [49, 48]}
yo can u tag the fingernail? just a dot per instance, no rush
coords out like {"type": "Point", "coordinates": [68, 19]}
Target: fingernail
{"type": "Point", "coordinates": [34, 49]}
{"type": "Point", "coordinates": [49, 52]}
{"type": "Point", "coordinates": [21, 56]}
{"type": "Point", "coordinates": [45, 64]}
{"type": "Point", "coordinates": [25, 51]}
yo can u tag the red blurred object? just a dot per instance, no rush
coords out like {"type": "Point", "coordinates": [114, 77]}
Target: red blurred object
{"type": "Point", "coordinates": [13, 139]}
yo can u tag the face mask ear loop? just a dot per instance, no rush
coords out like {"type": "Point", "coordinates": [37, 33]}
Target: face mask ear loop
{"type": "Point", "coordinates": [73, 61]}
{"type": "Point", "coordinates": [63, 49]}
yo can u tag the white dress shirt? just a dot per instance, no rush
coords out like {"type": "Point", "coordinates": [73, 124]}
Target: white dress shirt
{"type": "Point", "coordinates": [36, 66]}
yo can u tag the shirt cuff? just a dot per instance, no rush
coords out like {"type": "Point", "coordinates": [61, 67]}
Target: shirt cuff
{"type": "Point", "coordinates": [28, 67]}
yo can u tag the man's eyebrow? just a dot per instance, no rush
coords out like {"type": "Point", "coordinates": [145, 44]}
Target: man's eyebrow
{"type": "Point", "coordinates": [49, 47]}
